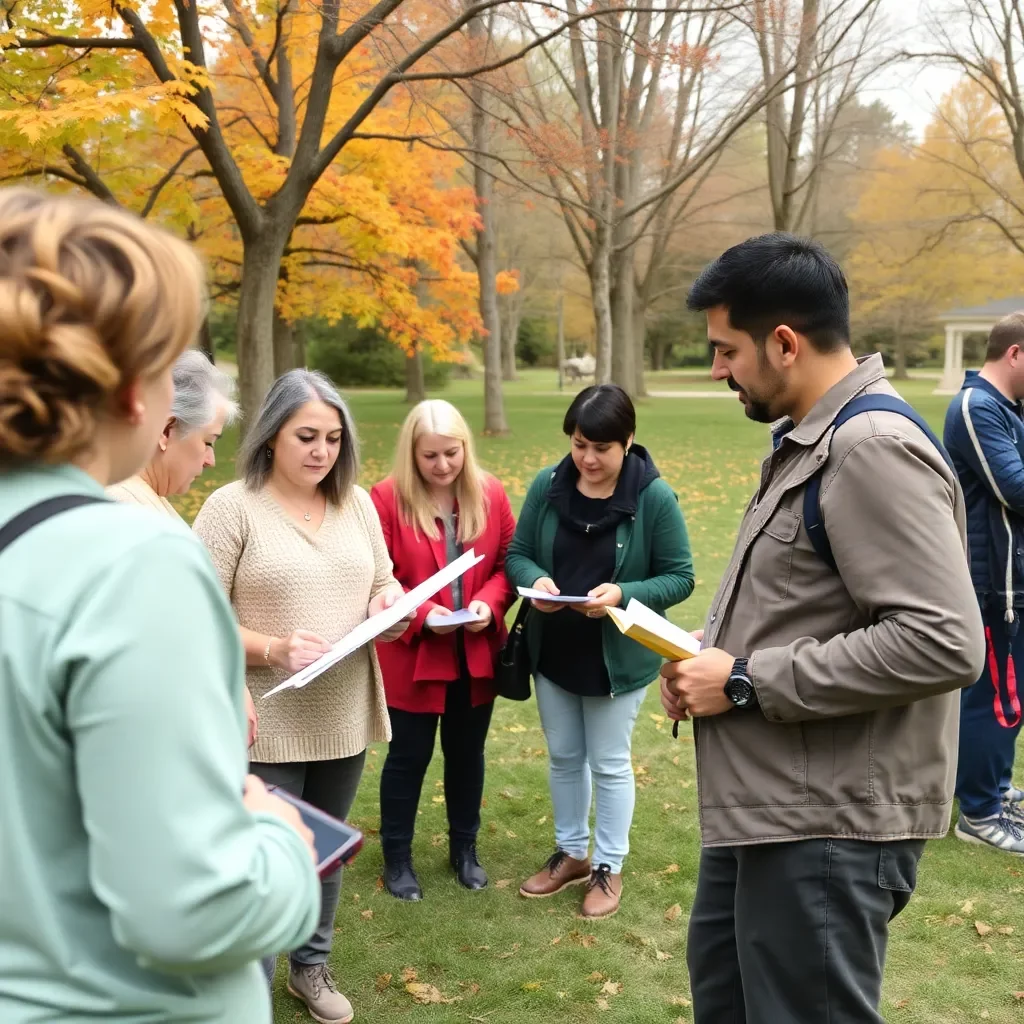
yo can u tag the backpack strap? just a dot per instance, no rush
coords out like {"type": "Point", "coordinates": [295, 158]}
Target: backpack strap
{"type": "Point", "coordinates": [36, 514]}
{"type": "Point", "coordinates": [813, 523]}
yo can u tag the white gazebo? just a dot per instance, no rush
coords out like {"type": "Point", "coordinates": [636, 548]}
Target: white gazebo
{"type": "Point", "coordinates": [970, 320]}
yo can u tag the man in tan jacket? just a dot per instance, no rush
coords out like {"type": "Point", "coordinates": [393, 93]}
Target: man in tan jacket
{"type": "Point", "coordinates": [825, 698]}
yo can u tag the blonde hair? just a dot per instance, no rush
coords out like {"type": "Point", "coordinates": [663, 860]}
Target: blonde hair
{"type": "Point", "coordinates": [436, 416]}
{"type": "Point", "coordinates": [91, 298]}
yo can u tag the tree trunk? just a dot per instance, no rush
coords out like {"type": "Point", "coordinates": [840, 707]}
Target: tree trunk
{"type": "Point", "coordinates": [639, 348]}
{"type": "Point", "coordinates": [206, 341]}
{"type": "Point", "coordinates": [509, 339]}
{"type": "Point", "coordinates": [899, 357]}
{"type": "Point", "coordinates": [600, 297]}
{"type": "Point", "coordinates": [261, 261]}
{"type": "Point", "coordinates": [560, 340]}
{"type": "Point", "coordinates": [415, 388]}
{"type": "Point", "coordinates": [299, 332]}
{"type": "Point", "coordinates": [486, 254]}
{"type": "Point", "coordinates": [284, 345]}
{"type": "Point", "coordinates": [622, 321]}
{"type": "Point", "coordinates": [658, 350]}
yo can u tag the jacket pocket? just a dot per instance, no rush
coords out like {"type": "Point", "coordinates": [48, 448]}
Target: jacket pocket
{"type": "Point", "coordinates": [771, 555]}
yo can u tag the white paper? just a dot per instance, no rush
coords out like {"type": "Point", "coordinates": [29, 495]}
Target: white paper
{"type": "Point", "coordinates": [459, 618]}
{"type": "Point", "coordinates": [372, 627]}
{"type": "Point", "coordinates": [542, 595]}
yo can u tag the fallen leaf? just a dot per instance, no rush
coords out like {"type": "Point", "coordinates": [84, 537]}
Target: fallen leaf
{"type": "Point", "coordinates": [967, 907]}
{"type": "Point", "coordinates": [671, 869]}
{"type": "Point", "coordinates": [427, 994]}
{"type": "Point", "coordinates": [409, 974]}
{"type": "Point", "coordinates": [657, 718]}
{"type": "Point", "coordinates": [673, 912]}
{"type": "Point", "coordinates": [470, 986]}
{"type": "Point", "coordinates": [439, 840]}
{"type": "Point", "coordinates": [1019, 996]}
{"type": "Point", "coordinates": [511, 835]}
{"type": "Point", "coordinates": [1006, 929]}
{"type": "Point", "coordinates": [679, 1001]}
{"type": "Point", "coordinates": [661, 955]}
{"type": "Point", "coordinates": [611, 988]}
{"type": "Point", "coordinates": [540, 821]}
{"type": "Point", "coordinates": [596, 976]}
{"type": "Point", "coordinates": [602, 1004]}
{"type": "Point", "coordinates": [531, 986]}
{"type": "Point", "coordinates": [383, 980]}
{"type": "Point", "coordinates": [367, 915]}
{"type": "Point", "coordinates": [502, 883]}
{"type": "Point", "coordinates": [556, 940]}
{"type": "Point", "coordinates": [900, 1003]}
{"type": "Point", "coordinates": [439, 799]}
{"type": "Point", "coordinates": [675, 760]}
{"type": "Point", "coordinates": [981, 928]}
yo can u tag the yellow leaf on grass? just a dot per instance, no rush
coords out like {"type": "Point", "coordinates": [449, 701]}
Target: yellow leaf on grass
{"type": "Point", "coordinates": [602, 1004]}
{"type": "Point", "coordinates": [595, 976]}
{"type": "Point", "coordinates": [673, 912]}
{"type": "Point", "coordinates": [531, 986]}
{"type": "Point", "coordinates": [367, 915]}
{"type": "Point", "coordinates": [671, 869]}
{"type": "Point", "coordinates": [502, 883]}
{"type": "Point", "coordinates": [426, 994]}
{"type": "Point", "coordinates": [679, 1001]}
{"type": "Point", "coordinates": [662, 955]}
{"type": "Point", "coordinates": [611, 988]}
{"type": "Point", "coordinates": [409, 974]}
{"type": "Point", "coordinates": [967, 907]}
{"type": "Point", "coordinates": [437, 799]}
{"type": "Point", "coordinates": [981, 928]}
{"type": "Point", "coordinates": [383, 980]}
{"type": "Point", "coordinates": [1006, 929]}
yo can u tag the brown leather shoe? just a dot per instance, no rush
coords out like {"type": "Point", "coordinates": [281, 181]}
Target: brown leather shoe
{"type": "Point", "coordinates": [604, 892]}
{"type": "Point", "coordinates": [559, 872]}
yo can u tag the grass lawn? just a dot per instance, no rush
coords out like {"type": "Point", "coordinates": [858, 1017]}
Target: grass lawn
{"type": "Point", "coordinates": [957, 954]}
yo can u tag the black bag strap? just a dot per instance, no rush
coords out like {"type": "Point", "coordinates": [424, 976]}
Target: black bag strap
{"type": "Point", "coordinates": [36, 514]}
{"type": "Point", "coordinates": [813, 523]}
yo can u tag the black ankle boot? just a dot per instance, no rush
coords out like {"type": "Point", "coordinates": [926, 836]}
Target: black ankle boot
{"type": "Point", "coordinates": [467, 867]}
{"type": "Point", "coordinates": [400, 880]}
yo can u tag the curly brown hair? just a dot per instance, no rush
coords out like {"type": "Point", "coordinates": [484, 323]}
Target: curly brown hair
{"type": "Point", "coordinates": [91, 298]}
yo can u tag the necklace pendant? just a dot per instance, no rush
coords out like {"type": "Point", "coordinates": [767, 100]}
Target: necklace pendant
{"type": "Point", "coordinates": [307, 517]}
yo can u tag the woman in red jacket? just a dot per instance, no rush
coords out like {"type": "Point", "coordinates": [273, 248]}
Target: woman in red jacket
{"type": "Point", "coordinates": [436, 503]}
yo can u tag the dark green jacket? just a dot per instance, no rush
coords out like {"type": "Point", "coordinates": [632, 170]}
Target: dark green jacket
{"type": "Point", "coordinates": [652, 564]}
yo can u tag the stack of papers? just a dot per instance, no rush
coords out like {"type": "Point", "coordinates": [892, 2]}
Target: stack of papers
{"type": "Point", "coordinates": [372, 627]}
{"type": "Point", "coordinates": [459, 618]}
{"type": "Point", "coordinates": [654, 631]}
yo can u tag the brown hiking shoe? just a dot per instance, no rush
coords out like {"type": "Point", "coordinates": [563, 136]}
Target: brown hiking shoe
{"type": "Point", "coordinates": [559, 872]}
{"type": "Point", "coordinates": [604, 891]}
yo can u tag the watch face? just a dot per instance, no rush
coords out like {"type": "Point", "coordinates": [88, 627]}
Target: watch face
{"type": "Point", "coordinates": [739, 690]}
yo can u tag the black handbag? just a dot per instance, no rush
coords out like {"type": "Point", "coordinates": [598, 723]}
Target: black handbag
{"type": "Point", "coordinates": [512, 669]}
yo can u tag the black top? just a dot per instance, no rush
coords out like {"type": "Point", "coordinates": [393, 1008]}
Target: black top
{"type": "Point", "coordinates": [572, 653]}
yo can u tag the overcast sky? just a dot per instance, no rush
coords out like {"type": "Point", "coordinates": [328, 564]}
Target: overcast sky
{"type": "Point", "coordinates": [912, 91]}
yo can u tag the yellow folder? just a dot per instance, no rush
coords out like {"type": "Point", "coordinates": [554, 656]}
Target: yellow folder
{"type": "Point", "coordinates": [654, 631]}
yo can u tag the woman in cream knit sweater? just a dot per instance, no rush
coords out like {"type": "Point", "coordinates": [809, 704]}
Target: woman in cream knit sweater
{"type": "Point", "coordinates": [299, 549]}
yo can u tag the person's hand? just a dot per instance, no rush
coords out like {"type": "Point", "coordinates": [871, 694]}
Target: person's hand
{"type": "Point", "coordinates": [670, 702]}
{"type": "Point", "coordinates": [698, 684]}
{"type": "Point", "coordinates": [297, 651]}
{"type": "Point", "coordinates": [258, 800]}
{"type": "Point", "coordinates": [442, 630]}
{"type": "Point", "coordinates": [384, 600]}
{"type": "Point", "coordinates": [483, 610]}
{"type": "Point", "coordinates": [546, 584]}
{"type": "Point", "coordinates": [607, 595]}
{"type": "Point", "coordinates": [252, 718]}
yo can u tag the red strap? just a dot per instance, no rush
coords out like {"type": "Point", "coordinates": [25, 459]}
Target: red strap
{"type": "Point", "coordinates": [1011, 684]}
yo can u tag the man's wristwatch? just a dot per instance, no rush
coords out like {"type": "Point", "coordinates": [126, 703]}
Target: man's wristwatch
{"type": "Point", "coordinates": [738, 687]}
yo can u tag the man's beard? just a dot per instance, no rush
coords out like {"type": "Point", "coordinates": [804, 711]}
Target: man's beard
{"type": "Point", "coordinates": [757, 409]}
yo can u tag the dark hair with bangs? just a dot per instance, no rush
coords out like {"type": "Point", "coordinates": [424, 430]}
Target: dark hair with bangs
{"type": "Point", "coordinates": [602, 412]}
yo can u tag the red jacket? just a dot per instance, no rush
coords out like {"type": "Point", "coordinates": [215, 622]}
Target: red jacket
{"type": "Point", "coordinates": [419, 665]}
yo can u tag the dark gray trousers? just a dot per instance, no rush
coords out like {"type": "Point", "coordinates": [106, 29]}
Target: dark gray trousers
{"type": "Point", "coordinates": [331, 786]}
{"type": "Point", "coordinates": [795, 933]}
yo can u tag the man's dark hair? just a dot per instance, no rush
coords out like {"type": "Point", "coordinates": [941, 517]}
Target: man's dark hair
{"type": "Point", "coordinates": [602, 412]}
{"type": "Point", "coordinates": [778, 279]}
{"type": "Point", "coordinates": [1007, 333]}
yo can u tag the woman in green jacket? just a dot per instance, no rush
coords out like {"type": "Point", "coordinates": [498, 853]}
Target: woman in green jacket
{"type": "Point", "coordinates": [602, 523]}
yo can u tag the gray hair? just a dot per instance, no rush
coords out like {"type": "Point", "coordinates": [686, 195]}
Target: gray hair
{"type": "Point", "coordinates": [200, 389]}
{"type": "Point", "coordinates": [289, 393]}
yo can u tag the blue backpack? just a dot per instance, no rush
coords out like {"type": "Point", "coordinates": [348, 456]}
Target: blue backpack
{"type": "Point", "coordinates": [813, 523]}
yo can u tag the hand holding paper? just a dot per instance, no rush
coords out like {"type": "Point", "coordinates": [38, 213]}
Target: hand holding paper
{"type": "Point", "coordinates": [443, 619]}
{"type": "Point", "coordinates": [381, 622]}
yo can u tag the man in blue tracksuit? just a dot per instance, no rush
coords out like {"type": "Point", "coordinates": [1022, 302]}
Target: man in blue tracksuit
{"type": "Point", "coordinates": [984, 434]}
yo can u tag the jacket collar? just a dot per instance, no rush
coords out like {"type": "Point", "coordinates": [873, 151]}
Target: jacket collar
{"type": "Point", "coordinates": [870, 370]}
{"type": "Point", "coordinates": [974, 379]}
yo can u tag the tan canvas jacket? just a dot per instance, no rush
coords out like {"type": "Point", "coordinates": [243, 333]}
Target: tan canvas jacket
{"type": "Point", "coordinates": [856, 672]}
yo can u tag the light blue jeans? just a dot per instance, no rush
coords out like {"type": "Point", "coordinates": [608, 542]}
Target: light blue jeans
{"type": "Point", "coordinates": [590, 738]}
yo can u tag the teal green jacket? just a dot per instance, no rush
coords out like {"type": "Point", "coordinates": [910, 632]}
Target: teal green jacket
{"type": "Point", "coordinates": [135, 887]}
{"type": "Point", "coordinates": [652, 564]}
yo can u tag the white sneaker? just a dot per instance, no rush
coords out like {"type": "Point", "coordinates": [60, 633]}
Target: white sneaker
{"type": "Point", "coordinates": [1000, 832]}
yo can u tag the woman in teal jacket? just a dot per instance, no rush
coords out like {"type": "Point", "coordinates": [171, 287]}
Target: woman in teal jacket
{"type": "Point", "coordinates": [601, 523]}
{"type": "Point", "coordinates": [143, 873]}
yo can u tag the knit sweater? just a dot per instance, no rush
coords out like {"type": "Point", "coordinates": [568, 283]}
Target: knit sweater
{"type": "Point", "coordinates": [135, 491]}
{"type": "Point", "coordinates": [281, 577]}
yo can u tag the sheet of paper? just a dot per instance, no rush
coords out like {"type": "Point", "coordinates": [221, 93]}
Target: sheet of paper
{"type": "Point", "coordinates": [459, 618]}
{"type": "Point", "coordinates": [540, 595]}
{"type": "Point", "coordinates": [372, 627]}
{"type": "Point", "coordinates": [648, 619]}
